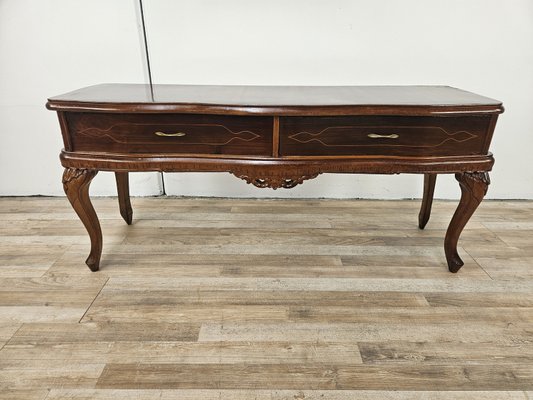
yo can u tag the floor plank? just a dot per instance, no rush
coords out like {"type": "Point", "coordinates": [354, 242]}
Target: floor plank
{"type": "Point", "coordinates": [9, 394]}
{"type": "Point", "coordinates": [23, 374]}
{"type": "Point", "coordinates": [506, 299]}
{"type": "Point", "coordinates": [452, 284]}
{"type": "Point", "coordinates": [315, 377]}
{"type": "Point", "coordinates": [213, 298]}
{"type": "Point", "coordinates": [185, 352]}
{"type": "Point", "coordinates": [444, 353]}
{"type": "Point", "coordinates": [58, 333]}
{"type": "Point", "coordinates": [496, 333]}
{"type": "Point", "coordinates": [228, 394]}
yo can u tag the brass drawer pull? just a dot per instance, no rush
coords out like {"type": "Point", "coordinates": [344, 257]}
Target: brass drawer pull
{"type": "Point", "coordinates": [177, 134]}
{"type": "Point", "coordinates": [378, 136]}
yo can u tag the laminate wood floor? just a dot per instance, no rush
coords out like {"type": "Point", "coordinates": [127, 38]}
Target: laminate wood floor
{"type": "Point", "coordinates": [265, 299]}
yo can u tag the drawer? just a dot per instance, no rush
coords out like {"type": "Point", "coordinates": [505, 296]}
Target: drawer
{"type": "Point", "coordinates": [383, 135]}
{"type": "Point", "coordinates": [170, 133]}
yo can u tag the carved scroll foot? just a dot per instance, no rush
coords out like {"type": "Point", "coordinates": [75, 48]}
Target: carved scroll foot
{"type": "Point", "coordinates": [124, 203]}
{"type": "Point", "coordinates": [76, 184]}
{"type": "Point", "coordinates": [427, 200]}
{"type": "Point", "coordinates": [473, 188]}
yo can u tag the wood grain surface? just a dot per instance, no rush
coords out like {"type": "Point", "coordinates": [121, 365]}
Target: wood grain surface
{"type": "Point", "coordinates": [265, 299]}
{"type": "Point", "coordinates": [275, 100]}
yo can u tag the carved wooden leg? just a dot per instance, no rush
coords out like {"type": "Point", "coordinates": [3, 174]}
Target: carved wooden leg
{"type": "Point", "coordinates": [123, 189]}
{"type": "Point", "coordinates": [76, 184]}
{"type": "Point", "coordinates": [473, 188]}
{"type": "Point", "coordinates": [427, 200]}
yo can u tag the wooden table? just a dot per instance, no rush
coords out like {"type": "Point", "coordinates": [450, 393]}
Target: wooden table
{"type": "Point", "coordinates": [276, 137]}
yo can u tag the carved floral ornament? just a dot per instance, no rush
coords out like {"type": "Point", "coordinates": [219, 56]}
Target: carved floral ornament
{"type": "Point", "coordinates": [274, 180]}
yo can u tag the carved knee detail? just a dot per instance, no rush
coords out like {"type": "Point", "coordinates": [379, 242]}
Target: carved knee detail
{"type": "Point", "coordinates": [74, 177]}
{"type": "Point", "coordinates": [477, 183]}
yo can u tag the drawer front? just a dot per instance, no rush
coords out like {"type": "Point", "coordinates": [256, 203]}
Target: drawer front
{"type": "Point", "coordinates": [383, 135]}
{"type": "Point", "coordinates": [170, 133]}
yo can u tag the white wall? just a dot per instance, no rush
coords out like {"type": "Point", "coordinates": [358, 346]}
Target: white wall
{"type": "Point", "coordinates": [485, 46]}
{"type": "Point", "coordinates": [49, 47]}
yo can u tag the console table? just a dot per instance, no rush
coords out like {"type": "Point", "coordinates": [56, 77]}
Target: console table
{"type": "Point", "coordinates": [276, 137]}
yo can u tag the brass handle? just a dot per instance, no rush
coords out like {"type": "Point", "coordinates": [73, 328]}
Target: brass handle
{"type": "Point", "coordinates": [177, 134]}
{"type": "Point", "coordinates": [378, 136]}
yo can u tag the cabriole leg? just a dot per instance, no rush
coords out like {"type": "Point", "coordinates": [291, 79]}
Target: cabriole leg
{"type": "Point", "coordinates": [427, 200]}
{"type": "Point", "coordinates": [124, 203]}
{"type": "Point", "coordinates": [474, 186]}
{"type": "Point", "coordinates": [76, 183]}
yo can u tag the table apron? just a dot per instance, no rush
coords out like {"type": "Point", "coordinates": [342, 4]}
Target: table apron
{"type": "Point", "coordinates": [361, 164]}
